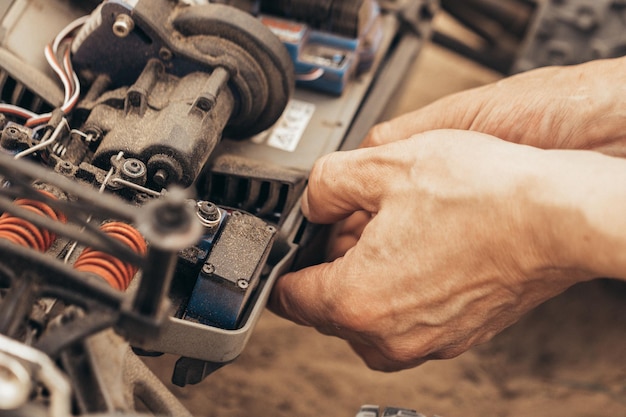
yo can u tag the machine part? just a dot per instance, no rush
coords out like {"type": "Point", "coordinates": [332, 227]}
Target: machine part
{"type": "Point", "coordinates": [41, 369]}
{"type": "Point", "coordinates": [209, 214]}
{"type": "Point", "coordinates": [347, 18]}
{"type": "Point", "coordinates": [326, 56]}
{"type": "Point", "coordinates": [15, 383]}
{"type": "Point", "coordinates": [115, 272]}
{"type": "Point", "coordinates": [173, 142]}
{"type": "Point", "coordinates": [565, 33]}
{"type": "Point", "coordinates": [110, 379]}
{"type": "Point", "coordinates": [231, 272]}
{"type": "Point", "coordinates": [197, 38]}
{"type": "Point", "coordinates": [209, 71]}
{"type": "Point", "coordinates": [23, 232]}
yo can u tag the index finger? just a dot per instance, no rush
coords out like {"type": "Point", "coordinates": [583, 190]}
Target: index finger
{"type": "Point", "coordinates": [342, 183]}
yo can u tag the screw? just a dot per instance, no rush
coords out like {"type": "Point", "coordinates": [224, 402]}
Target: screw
{"type": "Point", "coordinates": [243, 283]}
{"type": "Point", "coordinates": [123, 25]}
{"type": "Point", "coordinates": [208, 269]}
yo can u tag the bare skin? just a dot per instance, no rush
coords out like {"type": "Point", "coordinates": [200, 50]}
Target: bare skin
{"type": "Point", "coordinates": [458, 233]}
{"type": "Point", "coordinates": [577, 107]}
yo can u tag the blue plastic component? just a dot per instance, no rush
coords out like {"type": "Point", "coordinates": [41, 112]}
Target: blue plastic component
{"type": "Point", "coordinates": [322, 60]}
{"type": "Point", "coordinates": [234, 255]}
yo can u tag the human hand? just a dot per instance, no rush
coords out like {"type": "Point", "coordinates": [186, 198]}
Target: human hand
{"type": "Point", "coordinates": [575, 107]}
{"type": "Point", "coordinates": [457, 249]}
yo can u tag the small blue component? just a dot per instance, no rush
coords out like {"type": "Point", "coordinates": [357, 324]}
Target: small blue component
{"type": "Point", "coordinates": [322, 60]}
{"type": "Point", "coordinates": [236, 251]}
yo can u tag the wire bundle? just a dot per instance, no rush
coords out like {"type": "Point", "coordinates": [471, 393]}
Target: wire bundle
{"type": "Point", "coordinates": [58, 56]}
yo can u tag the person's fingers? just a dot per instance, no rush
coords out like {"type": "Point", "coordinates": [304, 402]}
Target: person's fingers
{"type": "Point", "coordinates": [307, 296]}
{"type": "Point", "coordinates": [344, 182]}
{"type": "Point", "coordinates": [457, 111]}
{"type": "Point", "coordinates": [348, 235]}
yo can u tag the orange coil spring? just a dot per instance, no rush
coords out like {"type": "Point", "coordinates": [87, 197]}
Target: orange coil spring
{"type": "Point", "coordinates": [117, 273]}
{"type": "Point", "coordinates": [23, 232]}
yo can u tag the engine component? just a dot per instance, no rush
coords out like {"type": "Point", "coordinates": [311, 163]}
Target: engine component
{"type": "Point", "coordinates": [115, 272]}
{"type": "Point", "coordinates": [190, 39]}
{"type": "Point", "coordinates": [238, 245]}
{"type": "Point", "coordinates": [203, 70]}
{"type": "Point", "coordinates": [153, 93]}
{"type": "Point", "coordinates": [347, 18]}
{"type": "Point", "coordinates": [329, 42]}
{"type": "Point", "coordinates": [23, 232]}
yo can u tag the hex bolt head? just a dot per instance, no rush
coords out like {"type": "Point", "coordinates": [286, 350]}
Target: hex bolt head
{"type": "Point", "coordinates": [123, 25]}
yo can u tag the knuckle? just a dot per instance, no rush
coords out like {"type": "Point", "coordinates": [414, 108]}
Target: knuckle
{"type": "Point", "coordinates": [377, 134]}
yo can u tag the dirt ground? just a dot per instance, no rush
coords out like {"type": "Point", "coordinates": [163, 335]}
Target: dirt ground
{"type": "Point", "coordinates": [566, 358]}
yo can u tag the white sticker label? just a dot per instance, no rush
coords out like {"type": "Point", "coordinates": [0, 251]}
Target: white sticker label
{"type": "Point", "coordinates": [288, 130]}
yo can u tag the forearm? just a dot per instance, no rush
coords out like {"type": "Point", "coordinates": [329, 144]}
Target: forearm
{"type": "Point", "coordinates": [583, 198]}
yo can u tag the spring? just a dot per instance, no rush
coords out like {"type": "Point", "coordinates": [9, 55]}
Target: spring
{"type": "Point", "coordinates": [23, 232]}
{"type": "Point", "coordinates": [116, 273]}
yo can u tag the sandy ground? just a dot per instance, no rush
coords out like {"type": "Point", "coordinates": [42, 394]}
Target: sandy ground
{"type": "Point", "coordinates": [566, 358]}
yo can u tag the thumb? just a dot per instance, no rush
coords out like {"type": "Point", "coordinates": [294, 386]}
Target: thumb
{"type": "Point", "coordinates": [306, 296]}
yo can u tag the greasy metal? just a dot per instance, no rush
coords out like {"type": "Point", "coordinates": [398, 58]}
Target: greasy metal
{"type": "Point", "coordinates": [123, 25]}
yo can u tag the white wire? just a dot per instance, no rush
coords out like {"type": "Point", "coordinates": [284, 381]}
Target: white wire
{"type": "Point", "coordinates": [52, 61]}
{"type": "Point", "coordinates": [17, 110]}
{"type": "Point", "coordinates": [45, 143]}
{"type": "Point", "coordinates": [316, 74]}
{"type": "Point", "coordinates": [67, 30]}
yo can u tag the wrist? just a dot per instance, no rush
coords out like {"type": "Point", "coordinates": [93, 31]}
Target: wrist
{"type": "Point", "coordinates": [580, 206]}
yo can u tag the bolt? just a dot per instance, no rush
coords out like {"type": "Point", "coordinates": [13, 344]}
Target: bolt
{"type": "Point", "coordinates": [133, 168]}
{"type": "Point", "coordinates": [208, 269]}
{"type": "Point", "coordinates": [243, 283]}
{"type": "Point", "coordinates": [123, 25]}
